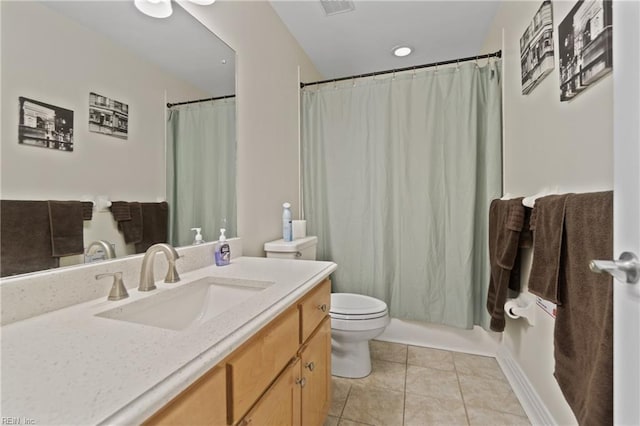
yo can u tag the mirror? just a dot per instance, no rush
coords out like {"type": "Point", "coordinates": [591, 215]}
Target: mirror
{"type": "Point", "coordinates": [114, 70]}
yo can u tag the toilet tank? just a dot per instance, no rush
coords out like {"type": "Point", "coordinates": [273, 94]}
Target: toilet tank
{"type": "Point", "coordinates": [303, 248]}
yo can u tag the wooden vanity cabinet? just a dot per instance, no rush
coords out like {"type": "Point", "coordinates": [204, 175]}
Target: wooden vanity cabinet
{"type": "Point", "coordinates": [280, 376]}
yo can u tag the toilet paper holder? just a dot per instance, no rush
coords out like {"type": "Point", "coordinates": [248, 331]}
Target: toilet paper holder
{"type": "Point", "coordinates": [523, 306]}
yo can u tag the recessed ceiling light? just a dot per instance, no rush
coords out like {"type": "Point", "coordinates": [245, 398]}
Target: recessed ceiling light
{"type": "Point", "coordinates": [401, 51]}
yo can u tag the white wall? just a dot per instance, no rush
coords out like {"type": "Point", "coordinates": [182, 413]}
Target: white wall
{"type": "Point", "coordinates": [267, 96]}
{"type": "Point", "coordinates": [548, 143]}
{"type": "Point", "coordinates": [49, 58]}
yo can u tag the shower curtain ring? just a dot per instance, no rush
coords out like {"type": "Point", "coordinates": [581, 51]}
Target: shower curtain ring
{"type": "Point", "coordinates": [414, 72]}
{"type": "Point", "coordinates": [394, 75]}
{"type": "Point", "coordinates": [477, 62]}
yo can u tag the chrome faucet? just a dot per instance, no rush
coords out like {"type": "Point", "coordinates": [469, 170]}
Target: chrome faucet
{"type": "Point", "coordinates": [146, 273]}
{"type": "Point", "coordinates": [103, 245]}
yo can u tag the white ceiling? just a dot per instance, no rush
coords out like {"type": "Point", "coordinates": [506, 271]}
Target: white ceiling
{"type": "Point", "coordinates": [178, 44]}
{"type": "Point", "coordinates": [361, 41]}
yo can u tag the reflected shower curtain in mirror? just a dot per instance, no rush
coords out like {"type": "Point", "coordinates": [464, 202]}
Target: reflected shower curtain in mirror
{"type": "Point", "coordinates": [398, 175]}
{"type": "Point", "coordinates": [201, 170]}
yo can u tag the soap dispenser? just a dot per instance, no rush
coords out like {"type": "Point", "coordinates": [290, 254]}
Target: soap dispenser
{"type": "Point", "coordinates": [223, 252]}
{"type": "Point", "coordinates": [198, 238]}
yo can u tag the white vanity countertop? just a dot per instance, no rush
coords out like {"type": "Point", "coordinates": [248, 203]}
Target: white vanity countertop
{"type": "Point", "coordinates": [71, 367]}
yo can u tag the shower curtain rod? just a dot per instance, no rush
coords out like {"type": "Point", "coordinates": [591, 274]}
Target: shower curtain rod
{"type": "Point", "coordinates": [169, 105]}
{"type": "Point", "coordinates": [497, 54]}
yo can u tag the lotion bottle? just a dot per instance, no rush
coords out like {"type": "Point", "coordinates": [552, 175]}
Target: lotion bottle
{"type": "Point", "coordinates": [223, 252]}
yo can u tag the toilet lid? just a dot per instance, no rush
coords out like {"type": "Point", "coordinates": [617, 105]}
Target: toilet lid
{"type": "Point", "coordinates": [356, 306]}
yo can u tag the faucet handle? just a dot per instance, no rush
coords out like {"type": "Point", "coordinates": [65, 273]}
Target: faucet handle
{"type": "Point", "coordinates": [118, 290]}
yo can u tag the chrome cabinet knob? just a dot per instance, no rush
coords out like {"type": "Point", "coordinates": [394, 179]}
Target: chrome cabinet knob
{"type": "Point", "coordinates": [301, 381]}
{"type": "Point", "coordinates": [310, 366]}
{"type": "Point", "coordinates": [323, 307]}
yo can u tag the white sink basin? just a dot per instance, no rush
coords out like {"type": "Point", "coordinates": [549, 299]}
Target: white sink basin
{"type": "Point", "coordinates": [188, 305]}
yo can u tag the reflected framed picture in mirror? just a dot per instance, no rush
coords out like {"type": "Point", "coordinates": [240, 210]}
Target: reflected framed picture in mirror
{"type": "Point", "coordinates": [45, 125]}
{"type": "Point", "coordinates": [108, 116]}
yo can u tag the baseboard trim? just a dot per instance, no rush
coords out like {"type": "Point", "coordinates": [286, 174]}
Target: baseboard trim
{"type": "Point", "coordinates": [529, 399]}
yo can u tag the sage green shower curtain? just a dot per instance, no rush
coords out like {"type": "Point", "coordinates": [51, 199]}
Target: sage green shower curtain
{"type": "Point", "coordinates": [398, 174]}
{"type": "Point", "coordinates": [201, 170]}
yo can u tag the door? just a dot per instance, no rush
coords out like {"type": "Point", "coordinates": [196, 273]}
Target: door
{"type": "Point", "coordinates": [626, 297]}
{"type": "Point", "coordinates": [280, 404]}
{"type": "Point", "coordinates": [316, 370]}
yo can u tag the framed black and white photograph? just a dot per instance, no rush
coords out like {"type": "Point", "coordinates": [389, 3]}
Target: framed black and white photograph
{"type": "Point", "coordinates": [108, 116]}
{"type": "Point", "coordinates": [585, 46]}
{"type": "Point", "coordinates": [536, 48]}
{"type": "Point", "coordinates": [45, 125]}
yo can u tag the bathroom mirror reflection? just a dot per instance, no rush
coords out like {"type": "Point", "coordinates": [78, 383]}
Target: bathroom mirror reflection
{"type": "Point", "coordinates": [115, 69]}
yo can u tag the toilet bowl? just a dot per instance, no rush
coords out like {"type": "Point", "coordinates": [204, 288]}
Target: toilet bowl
{"type": "Point", "coordinates": [355, 319]}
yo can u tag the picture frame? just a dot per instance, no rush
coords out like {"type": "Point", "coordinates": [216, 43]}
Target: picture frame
{"type": "Point", "coordinates": [108, 116]}
{"type": "Point", "coordinates": [537, 49]}
{"type": "Point", "coordinates": [585, 46]}
{"type": "Point", "coordinates": [44, 125]}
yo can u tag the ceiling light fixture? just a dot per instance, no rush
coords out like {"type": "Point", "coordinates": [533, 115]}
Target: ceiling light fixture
{"type": "Point", "coordinates": [401, 51]}
{"type": "Point", "coordinates": [203, 2]}
{"type": "Point", "coordinates": [162, 8]}
{"type": "Point", "coordinates": [154, 8]}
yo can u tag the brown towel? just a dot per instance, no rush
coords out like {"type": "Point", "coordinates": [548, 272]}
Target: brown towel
{"type": "Point", "coordinates": [132, 228]}
{"type": "Point", "coordinates": [120, 210]}
{"type": "Point", "coordinates": [25, 237]}
{"type": "Point", "coordinates": [506, 219]}
{"type": "Point", "coordinates": [583, 336]}
{"type": "Point", "coordinates": [155, 223]}
{"type": "Point", "coordinates": [87, 210]}
{"type": "Point", "coordinates": [547, 222]}
{"type": "Point", "coordinates": [67, 235]}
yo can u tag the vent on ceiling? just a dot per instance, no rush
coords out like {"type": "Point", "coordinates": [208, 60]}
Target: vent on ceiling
{"type": "Point", "coordinates": [333, 7]}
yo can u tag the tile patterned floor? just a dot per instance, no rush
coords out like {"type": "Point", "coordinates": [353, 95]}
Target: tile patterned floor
{"type": "Point", "coordinates": [411, 385]}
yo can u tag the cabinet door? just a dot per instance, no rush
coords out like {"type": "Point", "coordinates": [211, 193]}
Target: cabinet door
{"type": "Point", "coordinates": [316, 372]}
{"type": "Point", "coordinates": [280, 404]}
{"type": "Point", "coordinates": [203, 403]}
{"type": "Point", "coordinates": [253, 367]}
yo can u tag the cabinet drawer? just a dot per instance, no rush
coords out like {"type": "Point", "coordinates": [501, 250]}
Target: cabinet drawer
{"type": "Point", "coordinates": [252, 369]}
{"type": "Point", "coordinates": [314, 307]}
{"type": "Point", "coordinates": [203, 403]}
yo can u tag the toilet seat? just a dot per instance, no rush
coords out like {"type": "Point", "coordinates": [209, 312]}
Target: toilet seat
{"type": "Point", "coordinates": [349, 306]}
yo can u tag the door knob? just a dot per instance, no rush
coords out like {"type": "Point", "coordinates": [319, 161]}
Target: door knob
{"type": "Point", "coordinates": [626, 269]}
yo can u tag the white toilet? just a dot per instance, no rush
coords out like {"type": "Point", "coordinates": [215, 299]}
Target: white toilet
{"type": "Point", "coordinates": [355, 318]}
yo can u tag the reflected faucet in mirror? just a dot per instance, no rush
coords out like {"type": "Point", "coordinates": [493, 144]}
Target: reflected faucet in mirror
{"type": "Point", "coordinates": [98, 246]}
{"type": "Point", "coordinates": [147, 281]}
